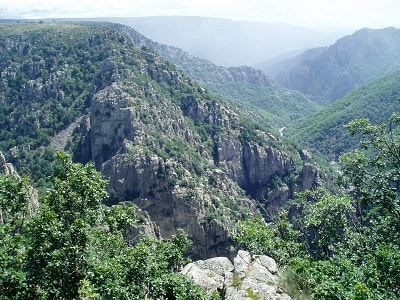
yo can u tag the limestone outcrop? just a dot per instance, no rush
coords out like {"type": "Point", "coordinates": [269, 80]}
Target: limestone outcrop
{"type": "Point", "coordinates": [125, 136]}
{"type": "Point", "coordinates": [248, 277]}
{"type": "Point", "coordinates": [7, 168]}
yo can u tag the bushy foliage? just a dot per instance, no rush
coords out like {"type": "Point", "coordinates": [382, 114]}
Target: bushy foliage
{"type": "Point", "coordinates": [73, 247]}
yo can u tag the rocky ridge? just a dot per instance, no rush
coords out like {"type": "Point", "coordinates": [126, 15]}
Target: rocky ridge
{"type": "Point", "coordinates": [164, 142]}
{"type": "Point", "coordinates": [123, 141]}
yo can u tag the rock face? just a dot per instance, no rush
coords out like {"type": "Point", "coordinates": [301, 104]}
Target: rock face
{"type": "Point", "coordinates": [244, 74]}
{"type": "Point", "coordinates": [248, 277]}
{"type": "Point", "coordinates": [122, 140]}
{"type": "Point", "coordinates": [118, 140]}
{"type": "Point", "coordinates": [7, 168]}
{"type": "Point", "coordinates": [145, 144]}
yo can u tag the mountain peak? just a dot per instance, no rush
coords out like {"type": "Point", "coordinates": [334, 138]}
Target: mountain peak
{"type": "Point", "coordinates": [352, 61]}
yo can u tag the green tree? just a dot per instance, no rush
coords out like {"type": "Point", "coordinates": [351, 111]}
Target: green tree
{"type": "Point", "coordinates": [327, 219]}
{"type": "Point", "coordinates": [74, 247]}
{"type": "Point", "coordinates": [14, 209]}
{"type": "Point", "coordinates": [59, 233]}
{"type": "Point", "coordinates": [277, 239]}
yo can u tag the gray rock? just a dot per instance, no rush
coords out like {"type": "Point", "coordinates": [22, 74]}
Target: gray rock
{"type": "Point", "coordinates": [250, 277]}
{"type": "Point", "coordinates": [219, 265]}
{"type": "Point", "coordinates": [241, 261]}
{"type": "Point", "coordinates": [268, 263]}
{"type": "Point", "coordinates": [7, 168]}
{"type": "Point", "coordinates": [206, 278]}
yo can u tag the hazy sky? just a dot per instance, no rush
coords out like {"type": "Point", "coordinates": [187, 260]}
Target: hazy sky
{"type": "Point", "coordinates": [337, 13]}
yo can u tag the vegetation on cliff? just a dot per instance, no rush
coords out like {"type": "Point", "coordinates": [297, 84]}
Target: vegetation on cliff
{"type": "Point", "coordinates": [46, 79]}
{"type": "Point", "coordinates": [187, 158]}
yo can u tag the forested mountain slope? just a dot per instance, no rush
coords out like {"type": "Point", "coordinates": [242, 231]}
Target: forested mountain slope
{"type": "Point", "coordinates": [244, 86]}
{"type": "Point", "coordinates": [163, 141]}
{"type": "Point", "coordinates": [175, 156]}
{"type": "Point", "coordinates": [324, 131]}
{"type": "Point", "coordinates": [352, 61]}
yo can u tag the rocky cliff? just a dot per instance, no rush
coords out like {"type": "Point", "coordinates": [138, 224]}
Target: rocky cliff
{"type": "Point", "coordinates": [164, 142]}
{"type": "Point", "coordinates": [151, 151]}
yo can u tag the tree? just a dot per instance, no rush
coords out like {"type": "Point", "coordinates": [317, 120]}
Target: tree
{"type": "Point", "coordinates": [14, 204]}
{"type": "Point", "coordinates": [277, 239]}
{"type": "Point", "coordinates": [59, 233]}
{"type": "Point", "coordinates": [328, 218]}
{"type": "Point", "coordinates": [74, 247]}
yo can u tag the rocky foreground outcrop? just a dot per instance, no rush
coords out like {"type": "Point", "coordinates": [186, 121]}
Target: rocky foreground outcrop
{"type": "Point", "coordinates": [248, 277]}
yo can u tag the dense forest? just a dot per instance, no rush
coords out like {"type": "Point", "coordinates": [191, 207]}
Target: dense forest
{"type": "Point", "coordinates": [130, 169]}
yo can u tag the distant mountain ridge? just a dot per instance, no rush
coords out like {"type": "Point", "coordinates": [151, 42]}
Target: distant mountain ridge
{"type": "Point", "coordinates": [278, 65]}
{"type": "Point", "coordinates": [352, 61]}
{"type": "Point", "coordinates": [325, 132]}
{"type": "Point", "coordinates": [227, 42]}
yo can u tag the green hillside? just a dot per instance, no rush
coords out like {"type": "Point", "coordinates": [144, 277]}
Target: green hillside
{"type": "Point", "coordinates": [324, 131]}
{"type": "Point", "coordinates": [158, 136]}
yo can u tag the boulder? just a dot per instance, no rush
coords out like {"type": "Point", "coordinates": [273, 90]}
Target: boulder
{"type": "Point", "coordinates": [249, 277]}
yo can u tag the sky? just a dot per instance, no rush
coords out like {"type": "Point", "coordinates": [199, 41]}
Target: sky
{"type": "Point", "coordinates": [308, 13]}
